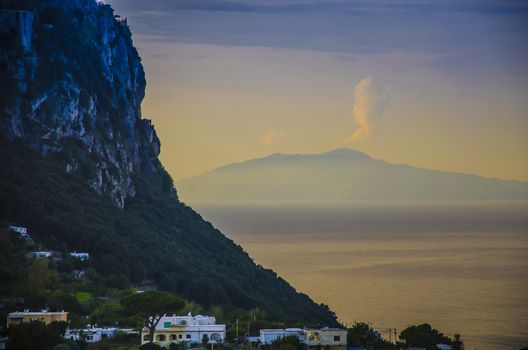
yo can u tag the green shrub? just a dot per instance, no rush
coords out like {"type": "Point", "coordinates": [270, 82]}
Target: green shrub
{"type": "Point", "coordinates": [150, 346]}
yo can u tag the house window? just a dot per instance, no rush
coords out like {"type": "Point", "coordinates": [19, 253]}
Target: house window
{"type": "Point", "coordinates": [89, 337]}
{"type": "Point", "coordinates": [188, 336]}
{"type": "Point", "coordinates": [146, 337]}
{"type": "Point", "coordinates": [337, 338]}
{"type": "Point", "coordinates": [160, 337]}
{"type": "Point", "coordinates": [172, 337]}
{"type": "Point", "coordinates": [180, 336]}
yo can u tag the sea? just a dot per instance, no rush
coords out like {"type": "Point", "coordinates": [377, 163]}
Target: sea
{"type": "Point", "coordinates": [460, 266]}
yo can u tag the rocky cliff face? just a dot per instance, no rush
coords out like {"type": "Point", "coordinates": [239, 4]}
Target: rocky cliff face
{"type": "Point", "coordinates": [76, 87]}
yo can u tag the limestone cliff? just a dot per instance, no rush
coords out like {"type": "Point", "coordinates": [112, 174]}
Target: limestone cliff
{"type": "Point", "coordinates": [73, 78]}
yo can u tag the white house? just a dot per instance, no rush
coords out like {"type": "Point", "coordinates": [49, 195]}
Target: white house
{"type": "Point", "coordinates": [18, 229]}
{"type": "Point", "coordinates": [94, 334]}
{"type": "Point", "coordinates": [39, 255]}
{"type": "Point", "coordinates": [80, 256]}
{"type": "Point", "coordinates": [22, 231]}
{"type": "Point", "coordinates": [334, 338]}
{"type": "Point", "coordinates": [268, 336]}
{"type": "Point", "coordinates": [90, 334]}
{"type": "Point", "coordinates": [186, 329]}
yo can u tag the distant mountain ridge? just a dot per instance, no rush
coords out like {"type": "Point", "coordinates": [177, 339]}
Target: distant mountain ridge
{"type": "Point", "coordinates": [340, 175]}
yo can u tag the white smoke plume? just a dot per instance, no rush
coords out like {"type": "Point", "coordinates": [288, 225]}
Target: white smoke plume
{"type": "Point", "coordinates": [369, 104]}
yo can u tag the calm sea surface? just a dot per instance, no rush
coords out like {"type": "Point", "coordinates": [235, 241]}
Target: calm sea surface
{"type": "Point", "coordinates": [463, 267]}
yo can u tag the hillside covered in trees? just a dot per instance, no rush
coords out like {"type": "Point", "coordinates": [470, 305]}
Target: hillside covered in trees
{"type": "Point", "coordinates": [79, 166]}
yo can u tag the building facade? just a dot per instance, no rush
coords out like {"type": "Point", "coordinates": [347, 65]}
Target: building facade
{"type": "Point", "coordinates": [39, 255]}
{"type": "Point", "coordinates": [18, 229]}
{"type": "Point", "coordinates": [80, 256]}
{"type": "Point", "coordinates": [186, 330]}
{"type": "Point", "coordinates": [334, 338]}
{"type": "Point", "coordinates": [21, 231]}
{"type": "Point", "coordinates": [328, 338]}
{"type": "Point", "coordinates": [95, 334]}
{"type": "Point", "coordinates": [268, 336]}
{"type": "Point", "coordinates": [44, 316]}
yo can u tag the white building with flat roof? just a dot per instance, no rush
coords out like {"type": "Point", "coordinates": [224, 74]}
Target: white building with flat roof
{"type": "Point", "coordinates": [18, 229]}
{"type": "Point", "coordinates": [81, 256]}
{"type": "Point", "coordinates": [39, 255]}
{"type": "Point", "coordinates": [186, 329]}
{"type": "Point", "coordinates": [95, 334]}
{"type": "Point", "coordinates": [268, 336]}
{"type": "Point", "coordinates": [334, 338]}
{"type": "Point", "coordinates": [21, 231]}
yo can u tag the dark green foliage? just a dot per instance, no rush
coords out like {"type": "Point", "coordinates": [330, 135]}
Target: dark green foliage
{"type": "Point", "coordinates": [458, 343]}
{"type": "Point", "coordinates": [176, 346]}
{"type": "Point", "coordinates": [148, 304]}
{"type": "Point", "coordinates": [67, 345]}
{"type": "Point", "coordinates": [63, 301]}
{"type": "Point", "coordinates": [150, 346]}
{"type": "Point", "coordinates": [36, 335]}
{"type": "Point", "coordinates": [155, 236]}
{"type": "Point", "coordinates": [287, 343]}
{"type": "Point", "coordinates": [12, 259]}
{"type": "Point", "coordinates": [36, 282]}
{"type": "Point", "coordinates": [151, 306]}
{"type": "Point", "coordinates": [364, 336]}
{"type": "Point", "coordinates": [118, 282]}
{"type": "Point", "coordinates": [108, 313]}
{"type": "Point", "coordinates": [423, 336]}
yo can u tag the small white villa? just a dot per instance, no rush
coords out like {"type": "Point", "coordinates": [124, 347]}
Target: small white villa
{"type": "Point", "coordinates": [80, 256]}
{"type": "Point", "coordinates": [21, 231]}
{"type": "Point", "coordinates": [186, 329]}
{"type": "Point", "coordinates": [18, 229]}
{"type": "Point", "coordinates": [333, 338]}
{"type": "Point", "coordinates": [92, 334]}
{"type": "Point", "coordinates": [39, 255]}
{"type": "Point", "coordinates": [268, 336]}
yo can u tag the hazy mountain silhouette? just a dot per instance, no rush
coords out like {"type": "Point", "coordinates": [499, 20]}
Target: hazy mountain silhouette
{"type": "Point", "coordinates": [340, 175]}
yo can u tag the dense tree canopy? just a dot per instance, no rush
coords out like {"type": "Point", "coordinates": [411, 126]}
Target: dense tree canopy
{"type": "Point", "coordinates": [423, 336]}
{"type": "Point", "coordinates": [36, 335]}
{"type": "Point", "coordinates": [154, 238]}
{"type": "Point", "coordinates": [458, 343]}
{"type": "Point", "coordinates": [362, 335]}
{"type": "Point", "coordinates": [152, 306]}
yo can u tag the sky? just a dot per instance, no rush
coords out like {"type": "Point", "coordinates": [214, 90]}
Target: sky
{"type": "Point", "coordinates": [439, 84]}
